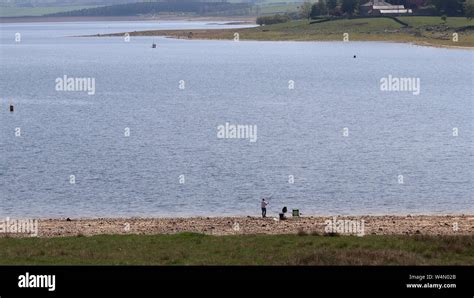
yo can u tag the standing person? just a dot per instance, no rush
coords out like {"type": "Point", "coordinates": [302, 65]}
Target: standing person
{"type": "Point", "coordinates": [264, 208]}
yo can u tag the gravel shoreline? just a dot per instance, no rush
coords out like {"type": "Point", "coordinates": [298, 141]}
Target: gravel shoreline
{"type": "Point", "coordinates": [372, 225]}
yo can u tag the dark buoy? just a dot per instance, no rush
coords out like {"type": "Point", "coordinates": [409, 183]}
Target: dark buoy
{"type": "Point", "coordinates": [355, 56]}
{"type": "Point", "coordinates": [12, 108]}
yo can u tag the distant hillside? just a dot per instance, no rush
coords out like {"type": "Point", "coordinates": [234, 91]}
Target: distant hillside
{"type": "Point", "coordinates": [61, 3]}
{"type": "Point", "coordinates": [151, 8]}
{"type": "Point", "coordinates": [37, 11]}
{"type": "Point", "coordinates": [18, 8]}
{"type": "Point", "coordinates": [22, 8]}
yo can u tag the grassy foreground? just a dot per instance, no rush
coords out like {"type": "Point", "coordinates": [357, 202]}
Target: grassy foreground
{"type": "Point", "coordinates": [420, 30]}
{"type": "Point", "coordinates": [199, 249]}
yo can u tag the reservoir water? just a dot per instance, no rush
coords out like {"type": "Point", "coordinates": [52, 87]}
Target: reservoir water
{"type": "Point", "coordinates": [328, 140]}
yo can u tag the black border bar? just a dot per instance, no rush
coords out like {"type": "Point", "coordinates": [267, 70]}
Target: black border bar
{"type": "Point", "coordinates": [191, 281]}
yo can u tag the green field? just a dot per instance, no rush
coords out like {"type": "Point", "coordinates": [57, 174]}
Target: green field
{"type": "Point", "coordinates": [419, 22]}
{"type": "Point", "coordinates": [197, 249]}
{"type": "Point", "coordinates": [421, 29]}
{"type": "Point", "coordinates": [274, 9]}
{"type": "Point", "coordinates": [266, 7]}
{"type": "Point", "coordinates": [36, 11]}
{"type": "Point", "coordinates": [369, 25]}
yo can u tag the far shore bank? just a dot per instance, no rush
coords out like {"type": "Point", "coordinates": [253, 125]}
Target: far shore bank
{"type": "Point", "coordinates": [423, 31]}
{"type": "Point", "coordinates": [455, 32]}
{"type": "Point", "coordinates": [252, 34]}
{"type": "Point", "coordinates": [372, 225]}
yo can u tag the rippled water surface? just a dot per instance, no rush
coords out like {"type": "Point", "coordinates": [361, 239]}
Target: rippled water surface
{"type": "Point", "coordinates": [173, 131]}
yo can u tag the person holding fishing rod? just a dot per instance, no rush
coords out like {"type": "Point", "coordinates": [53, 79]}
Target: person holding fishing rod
{"type": "Point", "coordinates": [264, 208]}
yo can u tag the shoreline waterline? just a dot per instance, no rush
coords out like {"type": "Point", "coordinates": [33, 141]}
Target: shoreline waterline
{"type": "Point", "coordinates": [218, 34]}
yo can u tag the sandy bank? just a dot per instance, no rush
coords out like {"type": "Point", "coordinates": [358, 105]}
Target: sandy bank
{"type": "Point", "coordinates": [250, 34]}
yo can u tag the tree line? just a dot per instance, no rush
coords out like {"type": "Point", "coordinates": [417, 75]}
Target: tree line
{"type": "Point", "coordinates": [352, 7]}
{"type": "Point", "coordinates": [274, 19]}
